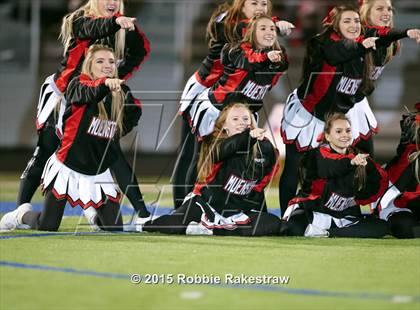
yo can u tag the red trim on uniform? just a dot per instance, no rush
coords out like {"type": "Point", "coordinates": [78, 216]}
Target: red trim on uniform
{"type": "Point", "coordinates": [326, 153]}
{"type": "Point", "coordinates": [251, 55]}
{"type": "Point", "coordinates": [85, 80]}
{"type": "Point", "coordinates": [267, 178]}
{"type": "Point", "coordinates": [70, 131]}
{"type": "Point", "coordinates": [335, 36]}
{"type": "Point", "coordinates": [78, 202]}
{"type": "Point", "coordinates": [216, 71]}
{"type": "Point", "coordinates": [137, 102]}
{"type": "Point", "coordinates": [214, 170]}
{"type": "Point", "coordinates": [231, 84]}
{"type": "Point", "coordinates": [320, 87]}
{"type": "Point", "coordinates": [146, 45]}
{"type": "Point", "coordinates": [383, 186]}
{"type": "Point", "coordinates": [382, 31]}
{"type": "Point", "coordinates": [38, 125]}
{"type": "Point", "coordinates": [397, 169]}
{"type": "Point", "coordinates": [74, 58]}
{"type": "Point", "coordinates": [317, 188]}
{"type": "Point", "coordinates": [406, 197]}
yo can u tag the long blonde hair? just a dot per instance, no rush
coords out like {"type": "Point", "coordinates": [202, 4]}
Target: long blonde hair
{"type": "Point", "coordinates": [210, 145]}
{"type": "Point", "coordinates": [90, 9]}
{"type": "Point", "coordinates": [365, 10]}
{"type": "Point", "coordinates": [117, 111]}
{"type": "Point", "coordinates": [233, 16]}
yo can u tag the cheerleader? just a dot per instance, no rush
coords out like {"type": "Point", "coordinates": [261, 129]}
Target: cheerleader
{"type": "Point", "coordinates": [377, 16]}
{"type": "Point", "coordinates": [235, 165]}
{"type": "Point", "coordinates": [400, 205]}
{"type": "Point", "coordinates": [336, 181]}
{"type": "Point", "coordinates": [95, 22]}
{"type": "Point", "coordinates": [226, 25]}
{"type": "Point", "coordinates": [99, 110]}
{"type": "Point", "coordinates": [336, 75]}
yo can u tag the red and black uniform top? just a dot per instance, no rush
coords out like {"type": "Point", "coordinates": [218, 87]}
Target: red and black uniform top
{"type": "Point", "coordinates": [239, 176]}
{"type": "Point", "coordinates": [211, 69]}
{"type": "Point", "coordinates": [88, 30]}
{"type": "Point", "coordinates": [248, 75]}
{"type": "Point", "coordinates": [332, 81]}
{"type": "Point", "coordinates": [330, 185]}
{"type": "Point", "coordinates": [388, 36]}
{"type": "Point", "coordinates": [402, 168]}
{"type": "Point", "coordinates": [89, 141]}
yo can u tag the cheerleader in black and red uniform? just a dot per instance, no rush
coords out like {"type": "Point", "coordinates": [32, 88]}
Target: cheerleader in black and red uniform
{"type": "Point", "coordinates": [95, 22]}
{"type": "Point", "coordinates": [99, 110]}
{"type": "Point", "coordinates": [337, 74]}
{"type": "Point", "coordinates": [251, 68]}
{"type": "Point", "coordinates": [336, 181]}
{"type": "Point", "coordinates": [227, 25]}
{"type": "Point", "coordinates": [236, 163]}
{"type": "Point", "coordinates": [400, 205]}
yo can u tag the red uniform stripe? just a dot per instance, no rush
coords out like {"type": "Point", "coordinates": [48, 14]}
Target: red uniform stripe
{"type": "Point", "coordinates": [75, 56]}
{"type": "Point", "coordinates": [320, 87]}
{"type": "Point", "coordinates": [70, 131]}
{"type": "Point", "coordinates": [214, 170]}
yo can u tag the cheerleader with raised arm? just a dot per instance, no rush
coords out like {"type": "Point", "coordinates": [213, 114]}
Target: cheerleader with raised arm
{"type": "Point", "coordinates": [226, 25]}
{"type": "Point", "coordinates": [98, 21]}
{"type": "Point", "coordinates": [337, 75]}
{"type": "Point", "coordinates": [336, 181]}
{"type": "Point", "coordinates": [100, 109]}
{"type": "Point", "coordinates": [236, 164]}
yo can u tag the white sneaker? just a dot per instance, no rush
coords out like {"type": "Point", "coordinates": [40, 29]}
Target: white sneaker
{"type": "Point", "coordinates": [13, 219]}
{"type": "Point", "coordinates": [316, 232]}
{"type": "Point", "coordinates": [136, 224]}
{"type": "Point", "coordinates": [195, 228]}
{"type": "Point", "coordinates": [91, 215]}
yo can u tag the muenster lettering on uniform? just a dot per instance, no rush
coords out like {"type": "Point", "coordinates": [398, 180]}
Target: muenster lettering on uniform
{"type": "Point", "coordinates": [102, 128]}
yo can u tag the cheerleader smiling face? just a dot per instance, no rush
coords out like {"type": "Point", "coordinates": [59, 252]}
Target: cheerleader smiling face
{"type": "Point", "coordinates": [339, 136]}
{"type": "Point", "coordinates": [381, 13]}
{"type": "Point", "coordinates": [349, 25]}
{"type": "Point", "coordinates": [108, 7]}
{"type": "Point", "coordinates": [103, 64]}
{"type": "Point", "coordinates": [238, 119]}
{"type": "Point", "coordinates": [254, 7]}
{"type": "Point", "coordinates": [265, 33]}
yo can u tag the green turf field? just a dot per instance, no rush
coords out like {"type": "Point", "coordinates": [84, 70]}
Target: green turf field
{"type": "Point", "coordinates": [92, 271]}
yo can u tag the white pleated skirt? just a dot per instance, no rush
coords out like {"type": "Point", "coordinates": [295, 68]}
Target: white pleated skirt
{"type": "Point", "coordinates": [302, 128]}
{"type": "Point", "coordinates": [79, 189]}
{"type": "Point", "coordinates": [49, 97]}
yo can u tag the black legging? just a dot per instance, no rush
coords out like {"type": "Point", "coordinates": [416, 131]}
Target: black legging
{"type": "Point", "coordinates": [31, 176]}
{"type": "Point", "coordinates": [365, 227]}
{"type": "Point", "coordinates": [404, 225]}
{"type": "Point", "coordinates": [262, 224]}
{"type": "Point", "coordinates": [289, 178]}
{"type": "Point", "coordinates": [185, 157]}
{"type": "Point", "coordinates": [49, 219]}
{"type": "Point", "coordinates": [127, 182]}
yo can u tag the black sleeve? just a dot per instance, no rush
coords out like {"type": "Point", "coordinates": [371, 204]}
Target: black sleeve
{"type": "Point", "coordinates": [337, 52]}
{"type": "Point", "coordinates": [386, 38]}
{"type": "Point", "coordinates": [84, 92]}
{"type": "Point", "coordinates": [235, 144]}
{"type": "Point", "coordinates": [270, 164]}
{"type": "Point", "coordinates": [85, 27]}
{"type": "Point", "coordinates": [332, 165]}
{"type": "Point", "coordinates": [247, 59]}
{"type": "Point", "coordinates": [137, 48]}
{"type": "Point", "coordinates": [376, 183]}
{"type": "Point", "coordinates": [132, 111]}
